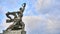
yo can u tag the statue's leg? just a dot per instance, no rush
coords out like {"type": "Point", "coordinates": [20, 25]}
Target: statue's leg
{"type": "Point", "coordinates": [22, 24]}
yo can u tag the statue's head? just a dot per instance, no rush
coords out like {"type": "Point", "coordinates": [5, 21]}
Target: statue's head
{"type": "Point", "coordinates": [20, 9]}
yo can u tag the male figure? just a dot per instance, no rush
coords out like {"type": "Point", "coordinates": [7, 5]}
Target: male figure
{"type": "Point", "coordinates": [17, 19]}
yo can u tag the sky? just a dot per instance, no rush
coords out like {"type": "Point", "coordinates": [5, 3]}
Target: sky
{"type": "Point", "coordinates": [40, 16]}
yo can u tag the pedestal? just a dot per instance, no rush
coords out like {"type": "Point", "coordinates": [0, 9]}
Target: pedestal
{"type": "Point", "coordinates": [14, 32]}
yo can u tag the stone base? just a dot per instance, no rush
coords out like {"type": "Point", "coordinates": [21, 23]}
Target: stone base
{"type": "Point", "coordinates": [14, 32]}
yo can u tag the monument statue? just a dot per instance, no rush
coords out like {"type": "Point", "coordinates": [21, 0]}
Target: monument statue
{"type": "Point", "coordinates": [17, 20]}
{"type": "Point", "coordinates": [18, 25]}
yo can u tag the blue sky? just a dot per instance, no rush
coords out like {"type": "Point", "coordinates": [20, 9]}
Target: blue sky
{"type": "Point", "coordinates": [40, 16]}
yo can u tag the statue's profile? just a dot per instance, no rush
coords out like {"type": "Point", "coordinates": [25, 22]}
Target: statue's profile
{"type": "Point", "coordinates": [17, 20]}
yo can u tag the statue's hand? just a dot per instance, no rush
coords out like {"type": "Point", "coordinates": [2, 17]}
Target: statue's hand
{"type": "Point", "coordinates": [24, 4]}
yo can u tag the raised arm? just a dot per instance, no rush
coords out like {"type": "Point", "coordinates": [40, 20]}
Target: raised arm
{"type": "Point", "coordinates": [23, 7]}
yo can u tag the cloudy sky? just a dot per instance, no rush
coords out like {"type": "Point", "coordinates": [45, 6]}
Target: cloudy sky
{"type": "Point", "coordinates": [40, 16]}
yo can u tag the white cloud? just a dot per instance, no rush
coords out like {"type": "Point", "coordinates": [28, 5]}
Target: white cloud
{"type": "Point", "coordinates": [42, 4]}
{"type": "Point", "coordinates": [48, 25]}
